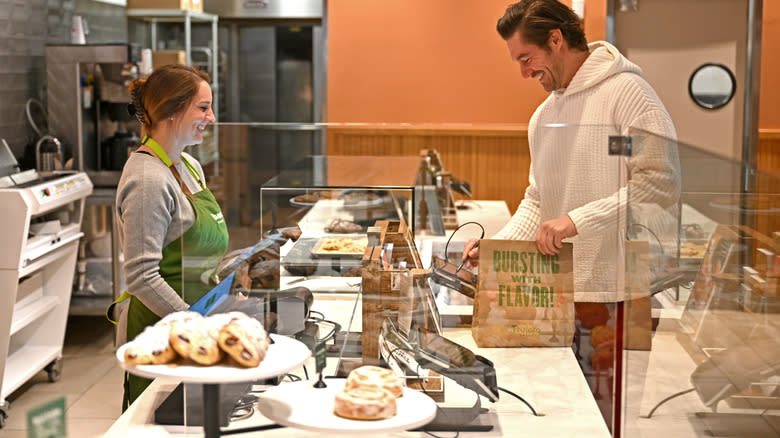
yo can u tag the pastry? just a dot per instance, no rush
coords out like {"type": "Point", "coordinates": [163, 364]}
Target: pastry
{"type": "Point", "coordinates": [311, 198]}
{"type": "Point", "coordinates": [603, 357]}
{"type": "Point", "coordinates": [369, 376]}
{"type": "Point", "coordinates": [300, 269]}
{"type": "Point", "coordinates": [601, 334]}
{"type": "Point", "coordinates": [204, 349]}
{"type": "Point", "coordinates": [307, 198]}
{"type": "Point", "coordinates": [184, 335]}
{"type": "Point", "coordinates": [243, 258]}
{"type": "Point", "coordinates": [214, 323]}
{"type": "Point", "coordinates": [693, 250]}
{"type": "Point", "coordinates": [245, 340]}
{"type": "Point", "coordinates": [591, 314]}
{"type": "Point", "coordinates": [364, 403]}
{"type": "Point", "coordinates": [150, 347]}
{"type": "Point", "coordinates": [197, 338]}
{"type": "Point", "coordinates": [265, 274]}
{"type": "Point", "coordinates": [291, 233]}
{"type": "Point", "coordinates": [342, 226]}
{"type": "Point", "coordinates": [175, 317]}
{"type": "Point", "coordinates": [180, 325]}
{"type": "Point", "coordinates": [352, 198]}
{"type": "Point", "coordinates": [343, 245]}
{"type": "Point", "coordinates": [200, 339]}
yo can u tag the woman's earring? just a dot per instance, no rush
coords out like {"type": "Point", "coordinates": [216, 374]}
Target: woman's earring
{"type": "Point", "coordinates": [171, 117]}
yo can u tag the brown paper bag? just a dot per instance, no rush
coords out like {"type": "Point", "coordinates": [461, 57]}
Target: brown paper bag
{"type": "Point", "coordinates": [524, 298]}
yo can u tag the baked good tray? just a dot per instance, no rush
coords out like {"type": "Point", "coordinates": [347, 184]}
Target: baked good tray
{"type": "Point", "coordinates": [301, 405]}
{"type": "Point", "coordinates": [300, 261]}
{"type": "Point", "coordinates": [283, 355]}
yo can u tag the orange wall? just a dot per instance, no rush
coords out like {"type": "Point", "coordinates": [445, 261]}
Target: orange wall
{"type": "Point", "coordinates": [769, 110]}
{"type": "Point", "coordinates": [442, 61]}
{"type": "Point", "coordinates": [428, 61]}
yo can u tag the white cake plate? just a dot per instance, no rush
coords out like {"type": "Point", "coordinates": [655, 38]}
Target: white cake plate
{"type": "Point", "coordinates": [301, 405]}
{"type": "Point", "coordinates": [283, 356]}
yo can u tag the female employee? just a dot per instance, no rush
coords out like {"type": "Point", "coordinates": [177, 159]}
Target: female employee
{"type": "Point", "coordinates": [170, 226]}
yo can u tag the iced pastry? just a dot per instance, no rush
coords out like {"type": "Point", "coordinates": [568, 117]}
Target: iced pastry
{"type": "Point", "coordinates": [375, 377]}
{"type": "Point", "coordinates": [365, 403]}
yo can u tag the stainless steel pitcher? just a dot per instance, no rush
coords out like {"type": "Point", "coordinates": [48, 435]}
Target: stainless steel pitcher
{"type": "Point", "coordinates": [48, 161]}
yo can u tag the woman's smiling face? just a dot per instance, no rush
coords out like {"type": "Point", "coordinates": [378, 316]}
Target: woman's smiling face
{"type": "Point", "coordinates": [193, 120]}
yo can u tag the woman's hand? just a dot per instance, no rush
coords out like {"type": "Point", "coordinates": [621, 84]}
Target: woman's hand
{"type": "Point", "coordinates": [549, 239]}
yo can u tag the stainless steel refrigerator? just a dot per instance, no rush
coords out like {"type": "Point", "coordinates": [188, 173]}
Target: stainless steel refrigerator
{"type": "Point", "coordinates": [273, 79]}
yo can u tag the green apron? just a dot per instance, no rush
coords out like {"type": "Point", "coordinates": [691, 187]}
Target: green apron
{"type": "Point", "coordinates": [199, 249]}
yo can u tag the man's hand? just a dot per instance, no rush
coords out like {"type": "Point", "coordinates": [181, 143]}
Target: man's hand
{"type": "Point", "coordinates": [471, 253]}
{"type": "Point", "coordinates": [549, 239]}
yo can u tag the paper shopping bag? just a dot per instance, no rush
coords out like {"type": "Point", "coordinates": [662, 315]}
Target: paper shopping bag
{"type": "Point", "coordinates": [524, 298]}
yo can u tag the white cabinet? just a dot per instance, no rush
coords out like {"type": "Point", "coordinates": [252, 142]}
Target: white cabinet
{"type": "Point", "coordinates": [41, 226]}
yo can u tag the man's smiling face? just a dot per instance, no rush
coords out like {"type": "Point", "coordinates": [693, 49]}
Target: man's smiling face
{"type": "Point", "coordinates": [536, 62]}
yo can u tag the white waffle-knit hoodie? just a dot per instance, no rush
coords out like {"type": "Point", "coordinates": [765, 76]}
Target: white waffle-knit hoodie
{"type": "Point", "coordinates": [573, 174]}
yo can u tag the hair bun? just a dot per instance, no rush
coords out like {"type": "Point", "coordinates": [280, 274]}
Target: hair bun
{"type": "Point", "coordinates": [136, 107]}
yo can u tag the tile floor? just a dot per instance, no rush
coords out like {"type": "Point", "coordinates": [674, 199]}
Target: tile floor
{"type": "Point", "coordinates": [91, 383]}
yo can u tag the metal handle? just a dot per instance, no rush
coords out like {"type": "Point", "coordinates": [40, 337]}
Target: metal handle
{"type": "Point", "coordinates": [51, 138]}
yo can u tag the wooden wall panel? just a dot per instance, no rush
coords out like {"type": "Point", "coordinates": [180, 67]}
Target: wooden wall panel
{"type": "Point", "coordinates": [768, 181]}
{"type": "Point", "coordinates": [494, 161]}
{"type": "Point", "coordinates": [769, 151]}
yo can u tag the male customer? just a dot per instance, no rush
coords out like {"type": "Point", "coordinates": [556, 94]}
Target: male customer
{"type": "Point", "coordinates": [577, 191]}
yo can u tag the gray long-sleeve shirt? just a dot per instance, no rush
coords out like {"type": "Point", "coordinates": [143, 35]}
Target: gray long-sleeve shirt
{"type": "Point", "coordinates": [152, 211]}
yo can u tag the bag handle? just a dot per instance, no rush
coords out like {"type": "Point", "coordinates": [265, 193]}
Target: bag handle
{"type": "Point", "coordinates": [446, 246]}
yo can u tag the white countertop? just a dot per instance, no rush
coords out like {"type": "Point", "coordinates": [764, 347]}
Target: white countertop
{"type": "Point", "coordinates": [548, 378]}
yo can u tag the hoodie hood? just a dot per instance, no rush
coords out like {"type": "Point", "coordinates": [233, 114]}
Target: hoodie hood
{"type": "Point", "coordinates": [604, 61]}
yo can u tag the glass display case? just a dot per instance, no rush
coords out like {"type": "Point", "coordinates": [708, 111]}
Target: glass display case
{"type": "Point", "coordinates": [334, 201]}
{"type": "Point", "coordinates": [671, 291]}
{"type": "Point", "coordinates": [361, 189]}
{"type": "Point", "coordinates": [676, 323]}
{"type": "Point", "coordinates": [708, 363]}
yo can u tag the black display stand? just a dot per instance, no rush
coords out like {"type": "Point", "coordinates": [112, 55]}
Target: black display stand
{"type": "Point", "coordinates": [171, 410]}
